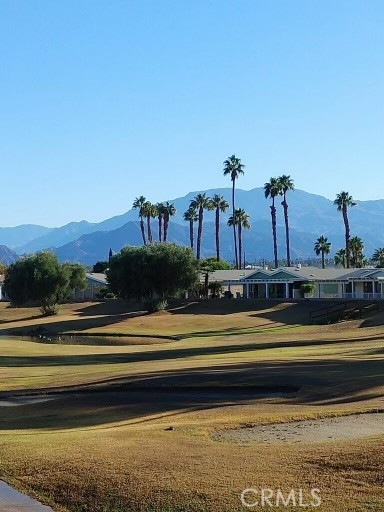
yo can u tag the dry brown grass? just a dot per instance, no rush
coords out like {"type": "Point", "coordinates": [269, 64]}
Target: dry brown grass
{"type": "Point", "coordinates": [109, 450]}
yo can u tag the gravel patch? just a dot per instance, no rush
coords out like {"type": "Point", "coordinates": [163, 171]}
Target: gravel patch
{"type": "Point", "coordinates": [309, 431]}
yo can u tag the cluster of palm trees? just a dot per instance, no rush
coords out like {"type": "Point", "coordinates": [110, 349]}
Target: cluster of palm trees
{"type": "Point", "coordinates": [149, 211]}
{"type": "Point", "coordinates": [351, 255]}
{"type": "Point", "coordinates": [275, 187]}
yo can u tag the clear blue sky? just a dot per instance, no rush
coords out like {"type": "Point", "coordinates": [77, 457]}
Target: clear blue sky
{"type": "Point", "coordinates": [104, 100]}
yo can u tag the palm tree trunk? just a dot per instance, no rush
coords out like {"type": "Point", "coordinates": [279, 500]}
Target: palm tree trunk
{"type": "Point", "coordinates": [149, 229]}
{"type": "Point", "coordinates": [285, 206]}
{"type": "Point", "coordinates": [160, 225]}
{"type": "Point", "coordinates": [217, 234]}
{"type": "Point", "coordinates": [240, 245]}
{"type": "Point", "coordinates": [274, 234]}
{"type": "Point", "coordinates": [347, 237]}
{"type": "Point", "coordinates": [142, 230]}
{"type": "Point", "coordinates": [191, 232]}
{"type": "Point", "coordinates": [322, 259]}
{"type": "Point", "coordinates": [234, 226]}
{"type": "Point", "coordinates": [199, 233]}
{"type": "Point", "coordinates": [165, 234]}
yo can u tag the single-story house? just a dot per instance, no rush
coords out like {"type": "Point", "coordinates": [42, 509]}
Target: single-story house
{"type": "Point", "coordinates": [95, 282]}
{"type": "Point", "coordinates": [286, 282]}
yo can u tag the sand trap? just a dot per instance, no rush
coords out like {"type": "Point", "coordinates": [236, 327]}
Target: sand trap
{"type": "Point", "coordinates": [25, 400]}
{"type": "Point", "coordinates": [14, 501]}
{"type": "Point", "coordinates": [310, 431]}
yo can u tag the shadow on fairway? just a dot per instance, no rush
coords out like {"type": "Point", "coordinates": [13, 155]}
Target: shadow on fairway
{"type": "Point", "coordinates": [169, 393]}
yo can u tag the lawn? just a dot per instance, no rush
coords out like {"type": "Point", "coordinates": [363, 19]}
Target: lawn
{"type": "Point", "coordinates": [102, 444]}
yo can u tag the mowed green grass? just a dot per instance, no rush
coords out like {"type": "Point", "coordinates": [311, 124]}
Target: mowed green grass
{"type": "Point", "coordinates": [106, 447]}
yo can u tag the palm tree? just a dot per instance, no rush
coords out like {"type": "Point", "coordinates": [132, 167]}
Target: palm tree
{"type": "Point", "coordinates": [322, 246]}
{"type": "Point", "coordinates": [200, 203]}
{"type": "Point", "coordinates": [356, 247]}
{"type": "Point", "coordinates": [160, 216]}
{"type": "Point", "coordinates": [219, 204]}
{"type": "Point", "coordinates": [138, 204]}
{"type": "Point", "coordinates": [233, 168]}
{"type": "Point", "coordinates": [190, 216]}
{"type": "Point", "coordinates": [241, 220]}
{"type": "Point", "coordinates": [344, 201]}
{"type": "Point", "coordinates": [340, 258]}
{"type": "Point", "coordinates": [169, 211]}
{"type": "Point", "coordinates": [378, 256]}
{"type": "Point", "coordinates": [286, 184]}
{"type": "Point", "coordinates": [272, 189]}
{"type": "Point", "coordinates": [150, 212]}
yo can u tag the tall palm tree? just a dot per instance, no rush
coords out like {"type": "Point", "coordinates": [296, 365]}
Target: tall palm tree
{"type": "Point", "coordinates": [233, 168]}
{"type": "Point", "coordinates": [219, 204]}
{"type": "Point", "coordinates": [160, 216]}
{"type": "Point", "coordinates": [149, 212]}
{"type": "Point", "coordinates": [286, 184]}
{"type": "Point", "coordinates": [200, 203]}
{"type": "Point", "coordinates": [190, 216]}
{"type": "Point", "coordinates": [138, 204]}
{"type": "Point", "coordinates": [169, 211]}
{"type": "Point", "coordinates": [378, 257]}
{"type": "Point", "coordinates": [356, 247]}
{"type": "Point", "coordinates": [323, 247]}
{"type": "Point", "coordinates": [241, 221]}
{"type": "Point", "coordinates": [344, 201]}
{"type": "Point", "coordinates": [272, 189]}
{"type": "Point", "coordinates": [340, 258]}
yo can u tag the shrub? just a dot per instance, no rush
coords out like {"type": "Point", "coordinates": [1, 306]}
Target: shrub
{"type": "Point", "coordinates": [155, 305]}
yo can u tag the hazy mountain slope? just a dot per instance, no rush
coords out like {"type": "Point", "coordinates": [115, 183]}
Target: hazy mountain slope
{"type": "Point", "coordinates": [20, 235]}
{"type": "Point", "coordinates": [7, 256]}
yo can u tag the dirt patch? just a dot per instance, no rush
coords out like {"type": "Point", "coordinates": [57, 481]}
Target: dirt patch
{"type": "Point", "coordinates": [309, 431]}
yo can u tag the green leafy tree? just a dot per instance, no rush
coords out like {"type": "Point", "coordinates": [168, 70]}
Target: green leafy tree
{"type": "Point", "coordinates": [169, 211]}
{"type": "Point", "coordinates": [378, 257]}
{"type": "Point", "coordinates": [356, 247]}
{"type": "Point", "coordinates": [219, 205]}
{"type": "Point", "coordinates": [99, 267]}
{"type": "Point", "coordinates": [42, 279]}
{"type": "Point", "coordinates": [233, 168]}
{"type": "Point", "coordinates": [152, 271]}
{"type": "Point", "coordinates": [340, 258]}
{"type": "Point", "coordinates": [139, 204]}
{"type": "Point", "coordinates": [241, 221]}
{"type": "Point", "coordinates": [285, 185]}
{"type": "Point", "coordinates": [272, 190]}
{"type": "Point", "coordinates": [344, 201]}
{"type": "Point", "coordinates": [323, 247]}
{"type": "Point", "coordinates": [209, 265]}
{"type": "Point", "coordinates": [190, 216]}
{"type": "Point", "coordinates": [200, 203]}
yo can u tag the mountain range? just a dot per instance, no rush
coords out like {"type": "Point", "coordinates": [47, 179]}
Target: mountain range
{"type": "Point", "coordinates": [310, 216]}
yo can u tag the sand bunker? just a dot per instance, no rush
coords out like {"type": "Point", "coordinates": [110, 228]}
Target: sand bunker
{"type": "Point", "coordinates": [310, 431]}
{"type": "Point", "coordinates": [25, 400]}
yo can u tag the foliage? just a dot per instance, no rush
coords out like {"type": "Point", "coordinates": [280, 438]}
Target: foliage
{"type": "Point", "coordinates": [307, 288]}
{"type": "Point", "coordinates": [378, 257]}
{"type": "Point", "coordinates": [100, 267]}
{"type": "Point", "coordinates": [105, 293]}
{"type": "Point", "coordinates": [323, 247]}
{"type": "Point", "coordinates": [3, 268]}
{"type": "Point", "coordinates": [41, 278]}
{"type": "Point", "coordinates": [158, 270]}
{"type": "Point", "coordinates": [211, 264]}
{"type": "Point", "coordinates": [155, 305]}
{"type": "Point", "coordinates": [356, 247]}
{"type": "Point", "coordinates": [216, 289]}
{"type": "Point", "coordinates": [340, 258]}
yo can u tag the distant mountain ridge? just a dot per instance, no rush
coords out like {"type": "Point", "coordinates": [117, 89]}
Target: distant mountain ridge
{"type": "Point", "coordinates": [310, 216]}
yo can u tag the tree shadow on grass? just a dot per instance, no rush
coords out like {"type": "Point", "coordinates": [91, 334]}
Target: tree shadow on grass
{"type": "Point", "coordinates": [169, 393]}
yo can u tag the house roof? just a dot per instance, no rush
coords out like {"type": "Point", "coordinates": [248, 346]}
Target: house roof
{"type": "Point", "coordinates": [298, 274]}
{"type": "Point", "coordinates": [96, 277]}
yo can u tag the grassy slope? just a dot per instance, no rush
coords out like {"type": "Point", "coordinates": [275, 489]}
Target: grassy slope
{"type": "Point", "coordinates": [110, 450]}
